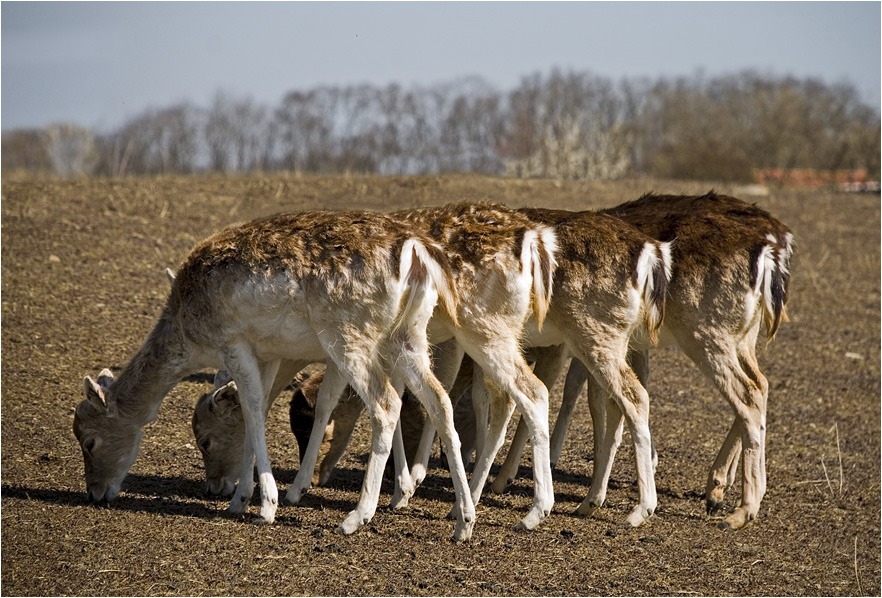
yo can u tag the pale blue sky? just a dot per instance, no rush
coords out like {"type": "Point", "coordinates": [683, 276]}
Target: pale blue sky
{"type": "Point", "coordinates": [96, 64]}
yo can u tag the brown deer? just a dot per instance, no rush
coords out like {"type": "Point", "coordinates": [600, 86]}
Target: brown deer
{"type": "Point", "coordinates": [730, 277]}
{"type": "Point", "coordinates": [355, 289]}
{"type": "Point", "coordinates": [610, 267]}
{"type": "Point", "coordinates": [502, 266]}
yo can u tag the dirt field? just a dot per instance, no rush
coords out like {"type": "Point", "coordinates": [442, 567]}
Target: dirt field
{"type": "Point", "coordinates": [83, 281]}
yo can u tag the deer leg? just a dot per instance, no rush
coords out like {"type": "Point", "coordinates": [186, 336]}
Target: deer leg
{"type": "Point", "coordinates": [736, 375]}
{"type": "Point", "coordinates": [329, 393]}
{"type": "Point", "coordinates": [504, 364]}
{"type": "Point", "coordinates": [384, 408]}
{"type": "Point", "coordinates": [509, 468]}
{"type": "Point", "coordinates": [639, 362]}
{"type": "Point", "coordinates": [722, 473]}
{"type": "Point", "coordinates": [549, 361]}
{"type": "Point", "coordinates": [404, 484]}
{"type": "Point", "coordinates": [576, 378]}
{"type": "Point", "coordinates": [251, 378]}
{"type": "Point", "coordinates": [447, 358]}
{"type": "Point", "coordinates": [415, 366]}
{"type": "Point", "coordinates": [345, 419]}
{"type": "Point", "coordinates": [605, 447]}
{"type": "Point", "coordinates": [626, 392]}
{"type": "Point", "coordinates": [501, 408]}
{"type": "Point", "coordinates": [481, 405]}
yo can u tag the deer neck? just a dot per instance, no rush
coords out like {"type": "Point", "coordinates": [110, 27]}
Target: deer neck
{"type": "Point", "coordinates": [161, 362]}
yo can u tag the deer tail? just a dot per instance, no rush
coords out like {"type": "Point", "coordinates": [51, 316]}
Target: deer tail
{"type": "Point", "coordinates": [425, 267]}
{"type": "Point", "coordinates": [538, 260]}
{"type": "Point", "coordinates": [652, 274]}
{"type": "Point", "coordinates": [771, 281]}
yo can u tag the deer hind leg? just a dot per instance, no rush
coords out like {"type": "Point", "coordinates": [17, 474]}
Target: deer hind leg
{"type": "Point", "coordinates": [329, 393]}
{"type": "Point", "coordinates": [605, 447]}
{"type": "Point", "coordinates": [504, 363]}
{"type": "Point", "coordinates": [383, 407]}
{"type": "Point", "coordinates": [252, 378]}
{"type": "Point", "coordinates": [413, 364]}
{"type": "Point", "coordinates": [639, 362]}
{"type": "Point", "coordinates": [549, 362]}
{"type": "Point", "coordinates": [734, 372]}
{"type": "Point", "coordinates": [447, 358]}
{"type": "Point", "coordinates": [721, 476]}
{"type": "Point", "coordinates": [628, 398]}
{"type": "Point", "coordinates": [500, 409]}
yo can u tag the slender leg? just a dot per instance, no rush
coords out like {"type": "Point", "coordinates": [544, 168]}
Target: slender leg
{"type": "Point", "coordinates": [576, 378]}
{"type": "Point", "coordinates": [605, 448]}
{"type": "Point", "coordinates": [630, 399]}
{"type": "Point", "coordinates": [251, 379]}
{"type": "Point", "coordinates": [549, 361]}
{"type": "Point", "coordinates": [414, 365]}
{"type": "Point", "coordinates": [384, 410]}
{"type": "Point", "coordinates": [447, 359]}
{"type": "Point", "coordinates": [509, 468]}
{"type": "Point", "coordinates": [734, 372]}
{"type": "Point", "coordinates": [501, 408]}
{"type": "Point", "coordinates": [346, 415]}
{"type": "Point", "coordinates": [404, 485]}
{"type": "Point", "coordinates": [481, 405]}
{"type": "Point", "coordinates": [721, 476]}
{"type": "Point", "coordinates": [328, 396]}
{"type": "Point", "coordinates": [504, 364]}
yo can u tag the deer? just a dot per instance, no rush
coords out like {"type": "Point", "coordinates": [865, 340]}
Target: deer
{"type": "Point", "coordinates": [730, 278]}
{"type": "Point", "coordinates": [502, 264]}
{"type": "Point", "coordinates": [353, 289]}
{"type": "Point", "coordinates": [613, 279]}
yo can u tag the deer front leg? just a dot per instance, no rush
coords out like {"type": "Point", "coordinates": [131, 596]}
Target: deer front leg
{"type": "Point", "coordinates": [329, 393]}
{"type": "Point", "coordinates": [501, 408]}
{"type": "Point", "coordinates": [404, 484]}
{"type": "Point", "coordinates": [251, 379]}
{"type": "Point", "coordinates": [577, 376]}
{"type": "Point", "coordinates": [722, 473]}
{"type": "Point", "coordinates": [384, 412]}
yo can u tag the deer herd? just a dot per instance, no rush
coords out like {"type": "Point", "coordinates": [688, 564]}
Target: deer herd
{"type": "Point", "coordinates": [430, 320]}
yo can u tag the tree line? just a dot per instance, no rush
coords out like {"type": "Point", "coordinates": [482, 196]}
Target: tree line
{"type": "Point", "coordinates": [566, 125]}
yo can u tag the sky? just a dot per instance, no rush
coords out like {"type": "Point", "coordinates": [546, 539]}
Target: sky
{"type": "Point", "coordinates": [97, 64]}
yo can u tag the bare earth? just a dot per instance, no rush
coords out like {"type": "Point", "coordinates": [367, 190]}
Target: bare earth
{"type": "Point", "coordinates": [83, 281]}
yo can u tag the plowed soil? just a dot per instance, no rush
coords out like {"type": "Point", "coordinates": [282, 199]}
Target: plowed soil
{"type": "Point", "coordinates": [83, 281]}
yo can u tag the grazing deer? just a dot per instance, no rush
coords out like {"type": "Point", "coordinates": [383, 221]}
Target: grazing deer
{"type": "Point", "coordinates": [730, 277]}
{"type": "Point", "coordinates": [502, 266]}
{"type": "Point", "coordinates": [355, 289]}
{"type": "Point", "coordinates": [613, 280]}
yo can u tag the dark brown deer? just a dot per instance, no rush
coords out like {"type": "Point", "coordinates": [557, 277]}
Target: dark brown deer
{"type": "Point", "coordinates": [730, 278]}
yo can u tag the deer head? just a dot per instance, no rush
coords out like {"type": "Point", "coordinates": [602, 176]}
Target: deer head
{"type": "Point", "coordinates": [220, 435]}
{"type": "Point", "coordinates": [109, 443]}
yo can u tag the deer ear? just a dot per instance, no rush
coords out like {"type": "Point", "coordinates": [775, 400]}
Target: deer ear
{"type": "Point", "coordinates": [225, 400]}
{"type": "Point", "coordinates": [95, 394]}
{"type": "Point", "coordinates": [105, 378]}
{"type": "Point", "coordinates": [222, 378]}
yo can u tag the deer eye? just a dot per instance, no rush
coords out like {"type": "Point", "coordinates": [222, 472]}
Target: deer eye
{"type": "Point", "coordinates": [205, 444]}
{"type": "Point", "coordinates": [89, 446]}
